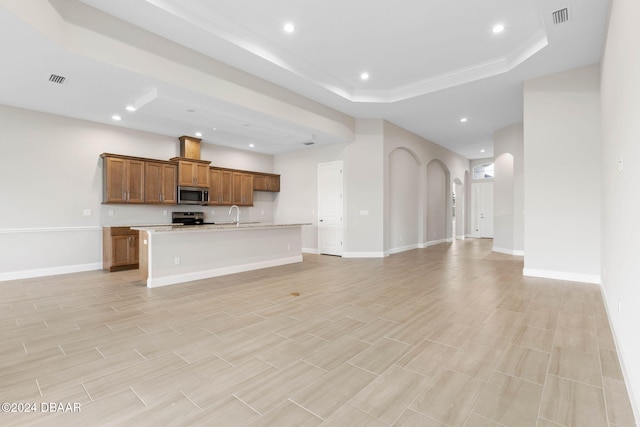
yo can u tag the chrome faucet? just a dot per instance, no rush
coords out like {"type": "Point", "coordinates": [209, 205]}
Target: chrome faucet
{"type": "Point", "coordinates": [237, 214]}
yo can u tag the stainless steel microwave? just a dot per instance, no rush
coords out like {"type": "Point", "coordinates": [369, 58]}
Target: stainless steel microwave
{"type": "Point", "coordinates": [193, 196]}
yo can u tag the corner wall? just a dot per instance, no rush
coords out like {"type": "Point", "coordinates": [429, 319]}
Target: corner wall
{"type": "Point", "coordinates": [620, 188]}
{"type": "Point", "coordinates": [508, 187]}
{"type": "Point", "coordinates": [562, 175]}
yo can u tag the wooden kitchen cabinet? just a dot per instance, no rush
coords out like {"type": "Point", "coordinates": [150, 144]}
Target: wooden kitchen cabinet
{"type": "Point", "coordinates": [160, 183]}
{"type": "Point", "coordinates": [266, 182]}
{"type": "Point", "coordinates": [242, 189]}
{"type": "Point", "coordinates": [123, 179]}
{"type": "Point", "coordinates": [220, 187]}
{"type": "Point", "coordinates": [119, 249]}
{"type": "Point", "coordinates": [192, 173]}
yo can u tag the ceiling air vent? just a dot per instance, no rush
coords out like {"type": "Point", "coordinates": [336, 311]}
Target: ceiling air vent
{"type": "Point", "coordinates": [54, 78]}
{"type": "Point", "coordinates": [560, 16]}
{"type": "Point", "coordinates": [309, 143]}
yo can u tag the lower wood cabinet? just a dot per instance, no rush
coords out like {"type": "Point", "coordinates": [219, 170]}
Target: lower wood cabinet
{"type": "Point", "coordinates": [119, 248]}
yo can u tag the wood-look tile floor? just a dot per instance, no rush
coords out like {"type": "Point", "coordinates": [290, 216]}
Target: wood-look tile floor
{"type": "Point", "coordinates": [452, 335]}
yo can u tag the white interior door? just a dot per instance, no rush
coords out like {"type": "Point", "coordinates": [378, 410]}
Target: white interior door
{"type": "Point", "coordinates": [482, 209]}
{"type": "Point", "coordinates": [330, 186]}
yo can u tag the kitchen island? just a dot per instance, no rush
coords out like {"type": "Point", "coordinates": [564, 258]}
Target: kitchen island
{"type": "Point", "coordinates": [171, 254]}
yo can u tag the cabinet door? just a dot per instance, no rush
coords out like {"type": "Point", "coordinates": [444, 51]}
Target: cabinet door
{"type": "Point", "coordinates": [273, 183]}
{"type": "Point", "coordinates": [168, 185]}
{"type": "Point", "coordinates": [135, 172]}
{"type": "Point", "coordinates": [187, 173]}
{"type": "Point", "coordinates": [226, 178]}
{"type": "Point", "coordinates": [120, 250]}
{"type": "Point", "coordinates": [247, 189]}
{"type": "Point", "coordinates": [237, 188]}
{"type": "Point", "coordinates": [152, 182]}
{"type": "Point", "coordinates": [242, 189]}
{"type": "Point", "coordinates": [202, 175]}
{"type": "Point", "coordinates": [260, 183]}
{"type": "Point", "coordinates": [215, 187]}
{"type": "Point", "coordinates": [114, 180]}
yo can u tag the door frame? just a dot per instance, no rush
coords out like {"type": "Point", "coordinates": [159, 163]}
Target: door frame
{"type": "Point", "coordinates": [340, 197]}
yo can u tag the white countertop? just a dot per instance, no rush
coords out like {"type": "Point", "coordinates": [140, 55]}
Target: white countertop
{"type": "Point", "coordinates": [215, 227]}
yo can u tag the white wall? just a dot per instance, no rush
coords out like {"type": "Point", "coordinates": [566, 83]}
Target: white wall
{"type": "Point", "coordinates": [562, 175]}
{"type": "Point", "coordinates": [620, 93]}
{"type": "Point", "coordinates": [438, 202]}
{"type": "Point", "coordinates": [365, 183]}
{"type": "Point", "coordinates": [404, 203]}
{"type": "Point", "coordinates": [425, 151]}
{"type": "Point", "coordinates": [298, 198]}
{"type": "Point", "coordinates": [50, 172]}
{"type": "Point", "coordinates": [508, 190]}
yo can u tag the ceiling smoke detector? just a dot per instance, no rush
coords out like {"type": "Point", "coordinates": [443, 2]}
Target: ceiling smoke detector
{"type": "Point", "coordinates": [54, 78]}
{"type": "Point", "coordinates": [560, 16]}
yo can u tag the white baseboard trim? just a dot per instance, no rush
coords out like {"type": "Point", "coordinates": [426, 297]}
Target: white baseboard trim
{"type": "Point", "coordinates": [50, 271]}
{"type": "Point", "coordinates": [401, 249]}
{"type": "Point", "coordinates": [562, 275]}
{"type": "Point", "coordinates": [222, 271]}
{"type": "Point", "coordinates": [310, 251]}
{"type": "Point", "coordinates": [436, 242]}
{"type": "Point", "coordinates": [363, 255]}
{"type": "Point", "coordinates": [508, 251]}
{"type": "Point", "coordinates": [625, 374]}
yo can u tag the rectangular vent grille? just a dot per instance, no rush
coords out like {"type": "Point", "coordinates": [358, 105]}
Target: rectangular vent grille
{"type": "Point", "coordinates": [560, 16]}
{"type": "Point", "coordinates": [54, 78]}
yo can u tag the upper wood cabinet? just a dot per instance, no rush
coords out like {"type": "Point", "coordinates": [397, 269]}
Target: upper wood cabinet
{"type": "Point", "coordinates": [123, 179]}
{"type": "Point", "coordinates": [266, 182]}
{"type": "Point", "coordinates": [160, 183]}
{"type": "Point", "coordinates": [130, 179]}
{"type": "Point", "coordinates": [192, 173]}
{"type": "Point", "coordinates": [242, 188]}
{"type": "Point", "coordinates": [220, 187]}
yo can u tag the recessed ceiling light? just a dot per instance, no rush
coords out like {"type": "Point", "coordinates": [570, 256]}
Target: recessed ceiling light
{"type": "Point", "coordinates": [131, 108]}
{"type": "Point", "coordinates": [252, 145]}
{"type": "Point", "coordinates": [289, 28]}
{"type": "Point", "coordinates": [482, 151]}
{"type": "Point", "coordinates": [364, 76]}
{"type": "Point", "coordinates": [463, 120]}
{"type": "Point", "coordinates": [498, 28]}
{"type": "Point", "coordinates": [214, 128]}
{"type": "Point", "coordinates": [198, 134]}
{"type": "Point", "coordinates": [116, 117]}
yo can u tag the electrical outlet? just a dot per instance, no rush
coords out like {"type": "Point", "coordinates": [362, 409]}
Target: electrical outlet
{"type": "Point", "coordinates": [288, 247]}
{"type": "Point", "coordinates": [164, 212]}
{"type": "Point", "coordinates": [177, 260]}
{"type": "Point", "coordinates": [110, 212]}
{"type": "Point", "coordinates": [86, 212]}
